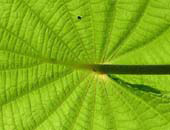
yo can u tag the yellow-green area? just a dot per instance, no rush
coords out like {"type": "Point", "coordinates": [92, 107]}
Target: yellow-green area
{"type": "Point", "coordinates": [43, 45]}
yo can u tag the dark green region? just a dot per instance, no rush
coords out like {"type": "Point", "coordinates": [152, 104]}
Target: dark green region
{"type": "Point", "coordinates": [132, 69]}
{"type": "Point", "coordinates": [140, 87]}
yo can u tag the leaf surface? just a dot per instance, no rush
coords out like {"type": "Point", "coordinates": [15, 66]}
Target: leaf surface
{"type": "Point", "coordinates": [46, 47]}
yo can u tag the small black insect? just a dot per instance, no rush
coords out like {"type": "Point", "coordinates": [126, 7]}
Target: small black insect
{"type": "Point", "coordinates": [79, 17]}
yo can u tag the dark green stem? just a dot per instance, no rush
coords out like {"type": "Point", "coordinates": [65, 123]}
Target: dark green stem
{"type": "Point", "coordinates": [131, 69]}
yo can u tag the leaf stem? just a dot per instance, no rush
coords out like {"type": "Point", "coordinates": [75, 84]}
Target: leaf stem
{"type": "Point", "coordinates": [131, 69]}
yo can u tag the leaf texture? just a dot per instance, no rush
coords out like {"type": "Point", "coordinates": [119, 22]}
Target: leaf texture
{"type": "Point", "coordinates": [41, 41]}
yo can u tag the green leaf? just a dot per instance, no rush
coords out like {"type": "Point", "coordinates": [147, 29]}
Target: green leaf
{"type": "Point", "coordinates": [55, 57]}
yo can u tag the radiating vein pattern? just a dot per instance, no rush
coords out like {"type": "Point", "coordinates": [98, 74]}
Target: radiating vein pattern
{"type": "Point", "coordinates": [45, 46]}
